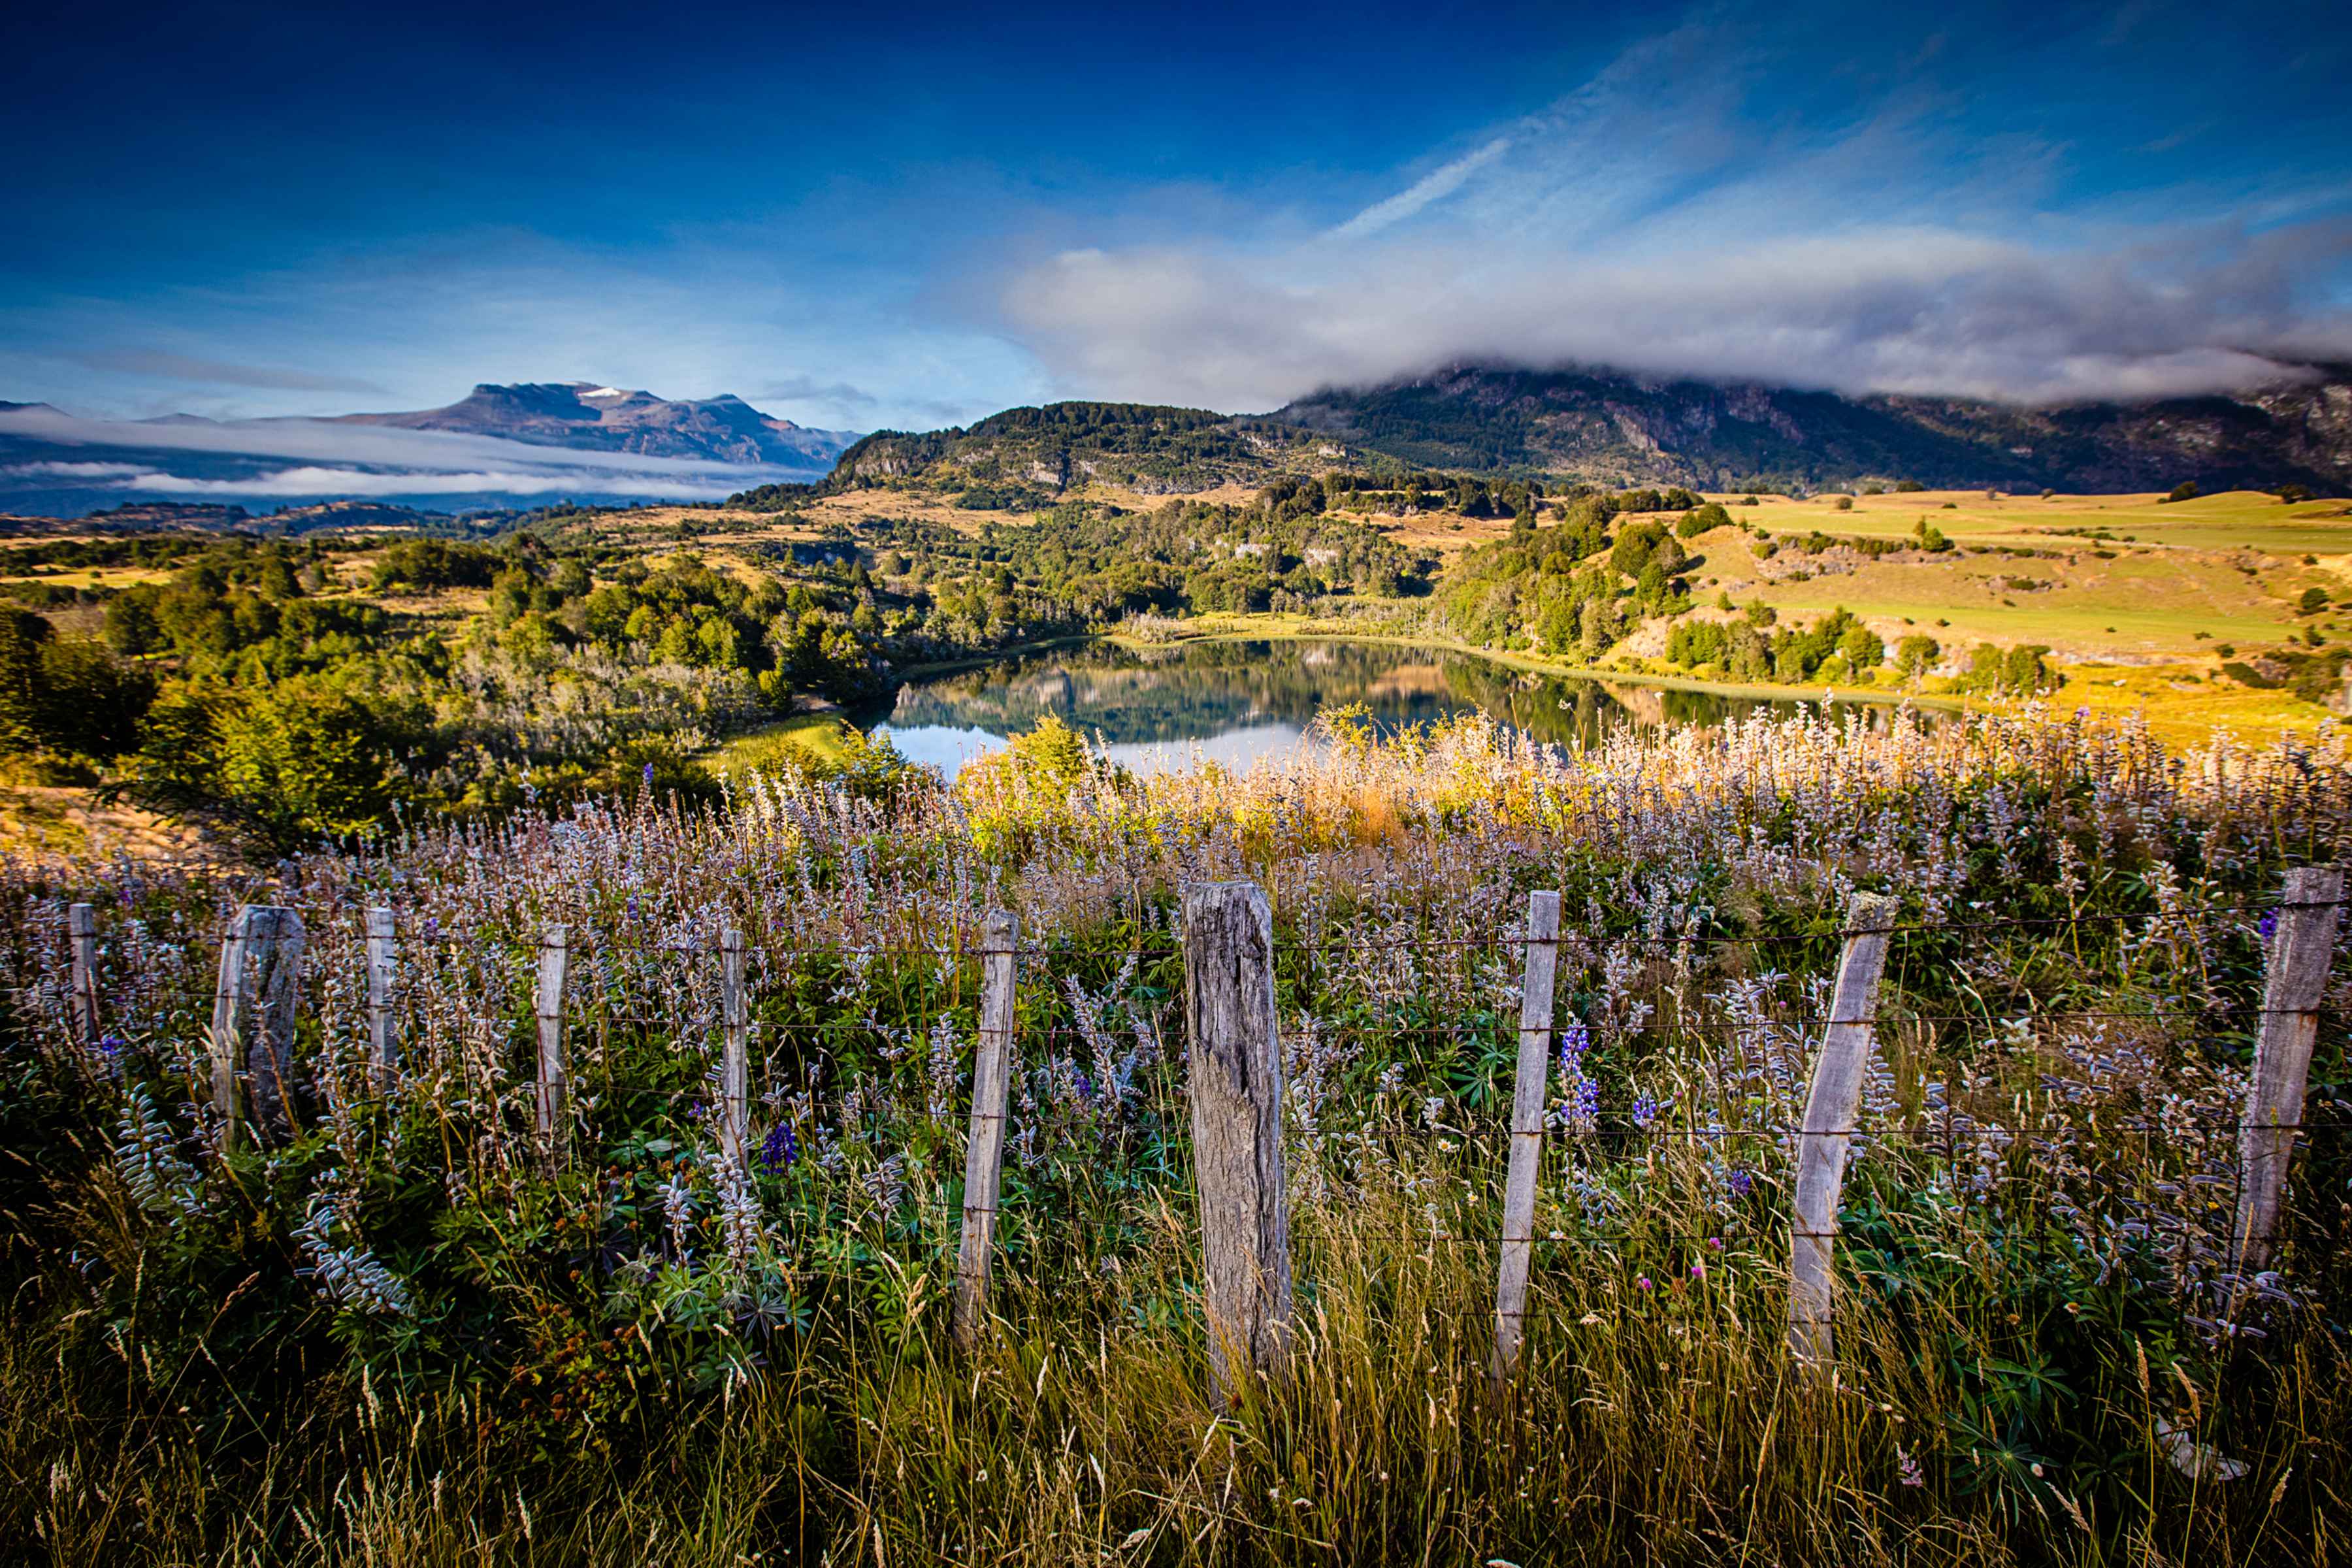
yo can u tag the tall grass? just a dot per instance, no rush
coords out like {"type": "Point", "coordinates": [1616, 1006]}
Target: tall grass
{"type": "Point", "coordinates": [395, 1337]}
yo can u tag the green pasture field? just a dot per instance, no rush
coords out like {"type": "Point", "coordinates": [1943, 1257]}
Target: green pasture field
{"type": "Point", "coordinates": [2237, 520]}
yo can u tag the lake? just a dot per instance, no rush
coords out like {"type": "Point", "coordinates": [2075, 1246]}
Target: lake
{"type": "Point", "coordinates": [1233, 702]}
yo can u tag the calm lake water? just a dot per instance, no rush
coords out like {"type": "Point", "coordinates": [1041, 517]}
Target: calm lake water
{"type": "Point", "coordinates": [1235, 701]}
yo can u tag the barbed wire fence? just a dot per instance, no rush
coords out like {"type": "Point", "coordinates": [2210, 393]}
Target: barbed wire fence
{"type": "Point", "coordinates": [476, 1001]}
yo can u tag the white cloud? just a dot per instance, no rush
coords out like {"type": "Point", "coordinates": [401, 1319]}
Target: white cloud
{"type": "Point", "coordinates": [328, 457]}
{"type": "Point", "coordinates": [690, 315]}
{"type": "Point", "coordinates": [315, 482]}
{"type": "Point", "coordinates": [1672, 216]}
{"type": "Point", "coordinates": [53, 470]}
{"type": "Point", "coordinates": [1436, 187]}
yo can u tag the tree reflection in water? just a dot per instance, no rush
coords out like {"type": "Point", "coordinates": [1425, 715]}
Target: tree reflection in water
{"type": "Point", "coordinates": [1235, 701]}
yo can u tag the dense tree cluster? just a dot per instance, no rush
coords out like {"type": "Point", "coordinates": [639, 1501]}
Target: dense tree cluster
{"type": "Point", "coordinates": [1573, 588]}
{"type": "Point", "coordinates": [1836, 648]}
{"type": "Point", "coordinates": [1087, 563]}
{"type": "Point", "coordinates": [252, 688]}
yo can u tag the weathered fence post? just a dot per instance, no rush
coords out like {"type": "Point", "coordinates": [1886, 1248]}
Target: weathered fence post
{"type": "Point", "coordinates": [1828, 1132]}
{"type": "Point", "coordinates": [554, 954]}
{"type": "Point", "coordinates": [2303, 949]}
{"type": "Point", "coordinates": [380, 959]}
{"type": "Point", "coordinates": [229, 1005]}
{"type": "Point", "coordinates": [254, 1004]}
{"type": "Point", "coordinates": [983, 1152]}
{"type": "Point", "coordinates": [1234, 1061]}
{"type": "Point", "coordinates": [735, 1054]}
{"type": "Point", "coordinates": [1528, 1111]}
{"type": "Point", "coordinates": [81, 928]}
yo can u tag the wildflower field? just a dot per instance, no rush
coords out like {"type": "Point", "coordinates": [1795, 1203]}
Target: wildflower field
{"type": "Point", "coordinates": [392, 1322]}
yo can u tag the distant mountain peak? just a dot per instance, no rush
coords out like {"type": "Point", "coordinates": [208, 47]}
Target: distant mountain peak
{"type": "Point", "coordinates": [588, 416]}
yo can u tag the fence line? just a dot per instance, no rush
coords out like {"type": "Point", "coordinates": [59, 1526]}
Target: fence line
{"type": "Point", "coordinates": [1230, 959]}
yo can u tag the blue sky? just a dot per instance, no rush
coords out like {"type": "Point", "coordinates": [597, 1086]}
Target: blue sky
{"type": "Point", "coordinates": [860, 217]}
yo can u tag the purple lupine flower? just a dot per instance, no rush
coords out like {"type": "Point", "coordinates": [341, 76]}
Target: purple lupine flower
{"type": "Point", "coordinates": [1645, 1110]}
{"type": "Point", "coordinates": [1574, 1041]}
{"type": "Point", "coordinates": [2269, 926]}
{"type": "Point", "coordinates": [780, 1150]}
{"type": "Point", "coordinates": [1740, 1181]}
{"type": "Point", "coordinates": [649, 775]}
{"type": "Point", "coordinates": [1581, 1106]}
{"type": "Point", "coordinates": [1581, 1109]}
{"type": "Point", "coordinates": [1085, 1086]}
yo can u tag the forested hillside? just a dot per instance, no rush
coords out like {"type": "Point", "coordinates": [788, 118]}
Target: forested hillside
{"type": "Point", "coordinates": [1025, 451]}
{"type": "Point", "coordinates": [1611, 427]}
{"type": "Point", "coordinates": [282, 690]}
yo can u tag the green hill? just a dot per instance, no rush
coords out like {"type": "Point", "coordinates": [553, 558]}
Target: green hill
{"type": "Point", "coordinates": [1154, 450]}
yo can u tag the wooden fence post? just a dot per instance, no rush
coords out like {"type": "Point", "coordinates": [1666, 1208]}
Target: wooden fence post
{"type": "Point", "coordinates": [254, 1005]}
{"type": "Point", "coordinates": [1234, 1062]}
{"type": "Point", "coordinates": [81, 928]}
{"type": "Point", "coordinates": [228, 1009]}
{"type": "Point", "coordinates": [380, 959]}
{"type": "Point", "coordinates": [554, 954]}
{"type": "Point", "coordinates": [1528, 1112]}
{"type": "Point", "coordinates": [735, 1055]}
{"type": "Point", "coordinates": [1827, 1133]}
{"type": "Point", "coordinates": [983, 1152]}
{"type": "Point", "coordinates": [2303, 949]}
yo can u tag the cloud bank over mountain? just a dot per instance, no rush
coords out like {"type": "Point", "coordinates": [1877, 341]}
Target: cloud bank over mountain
{"type": "Point", "coordinates": [1699, 208]}
{"type": "Point", "coordinates": [54, 460]}
{"type": "Point", "coordinates": [2024, 199]}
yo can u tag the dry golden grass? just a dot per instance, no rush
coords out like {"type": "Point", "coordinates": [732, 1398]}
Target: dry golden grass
{"type": "Point", "coordinates": [40, 822]}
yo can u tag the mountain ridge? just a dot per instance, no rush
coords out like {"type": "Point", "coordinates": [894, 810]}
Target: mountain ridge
{"type": "Point", "coordinates": [1623, 428]}
{"type": "Point", "coordinates": [1618, 426]}
{"type": "Point", "coordinates": [581, 416]}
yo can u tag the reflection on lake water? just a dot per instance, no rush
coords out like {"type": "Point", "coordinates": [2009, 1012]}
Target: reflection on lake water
{"type": "Point", "coordinates": [1234, 702]}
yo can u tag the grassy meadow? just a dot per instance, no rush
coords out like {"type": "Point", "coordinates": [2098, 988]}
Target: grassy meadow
{"type": "Point", "coordinates": [393, 1329]}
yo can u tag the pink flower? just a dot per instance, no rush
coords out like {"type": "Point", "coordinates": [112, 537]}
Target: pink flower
{"type": "Point", "coordinates": [1698, 1270]}
{"type": "Point", "coordinates": [1641, 1282]}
